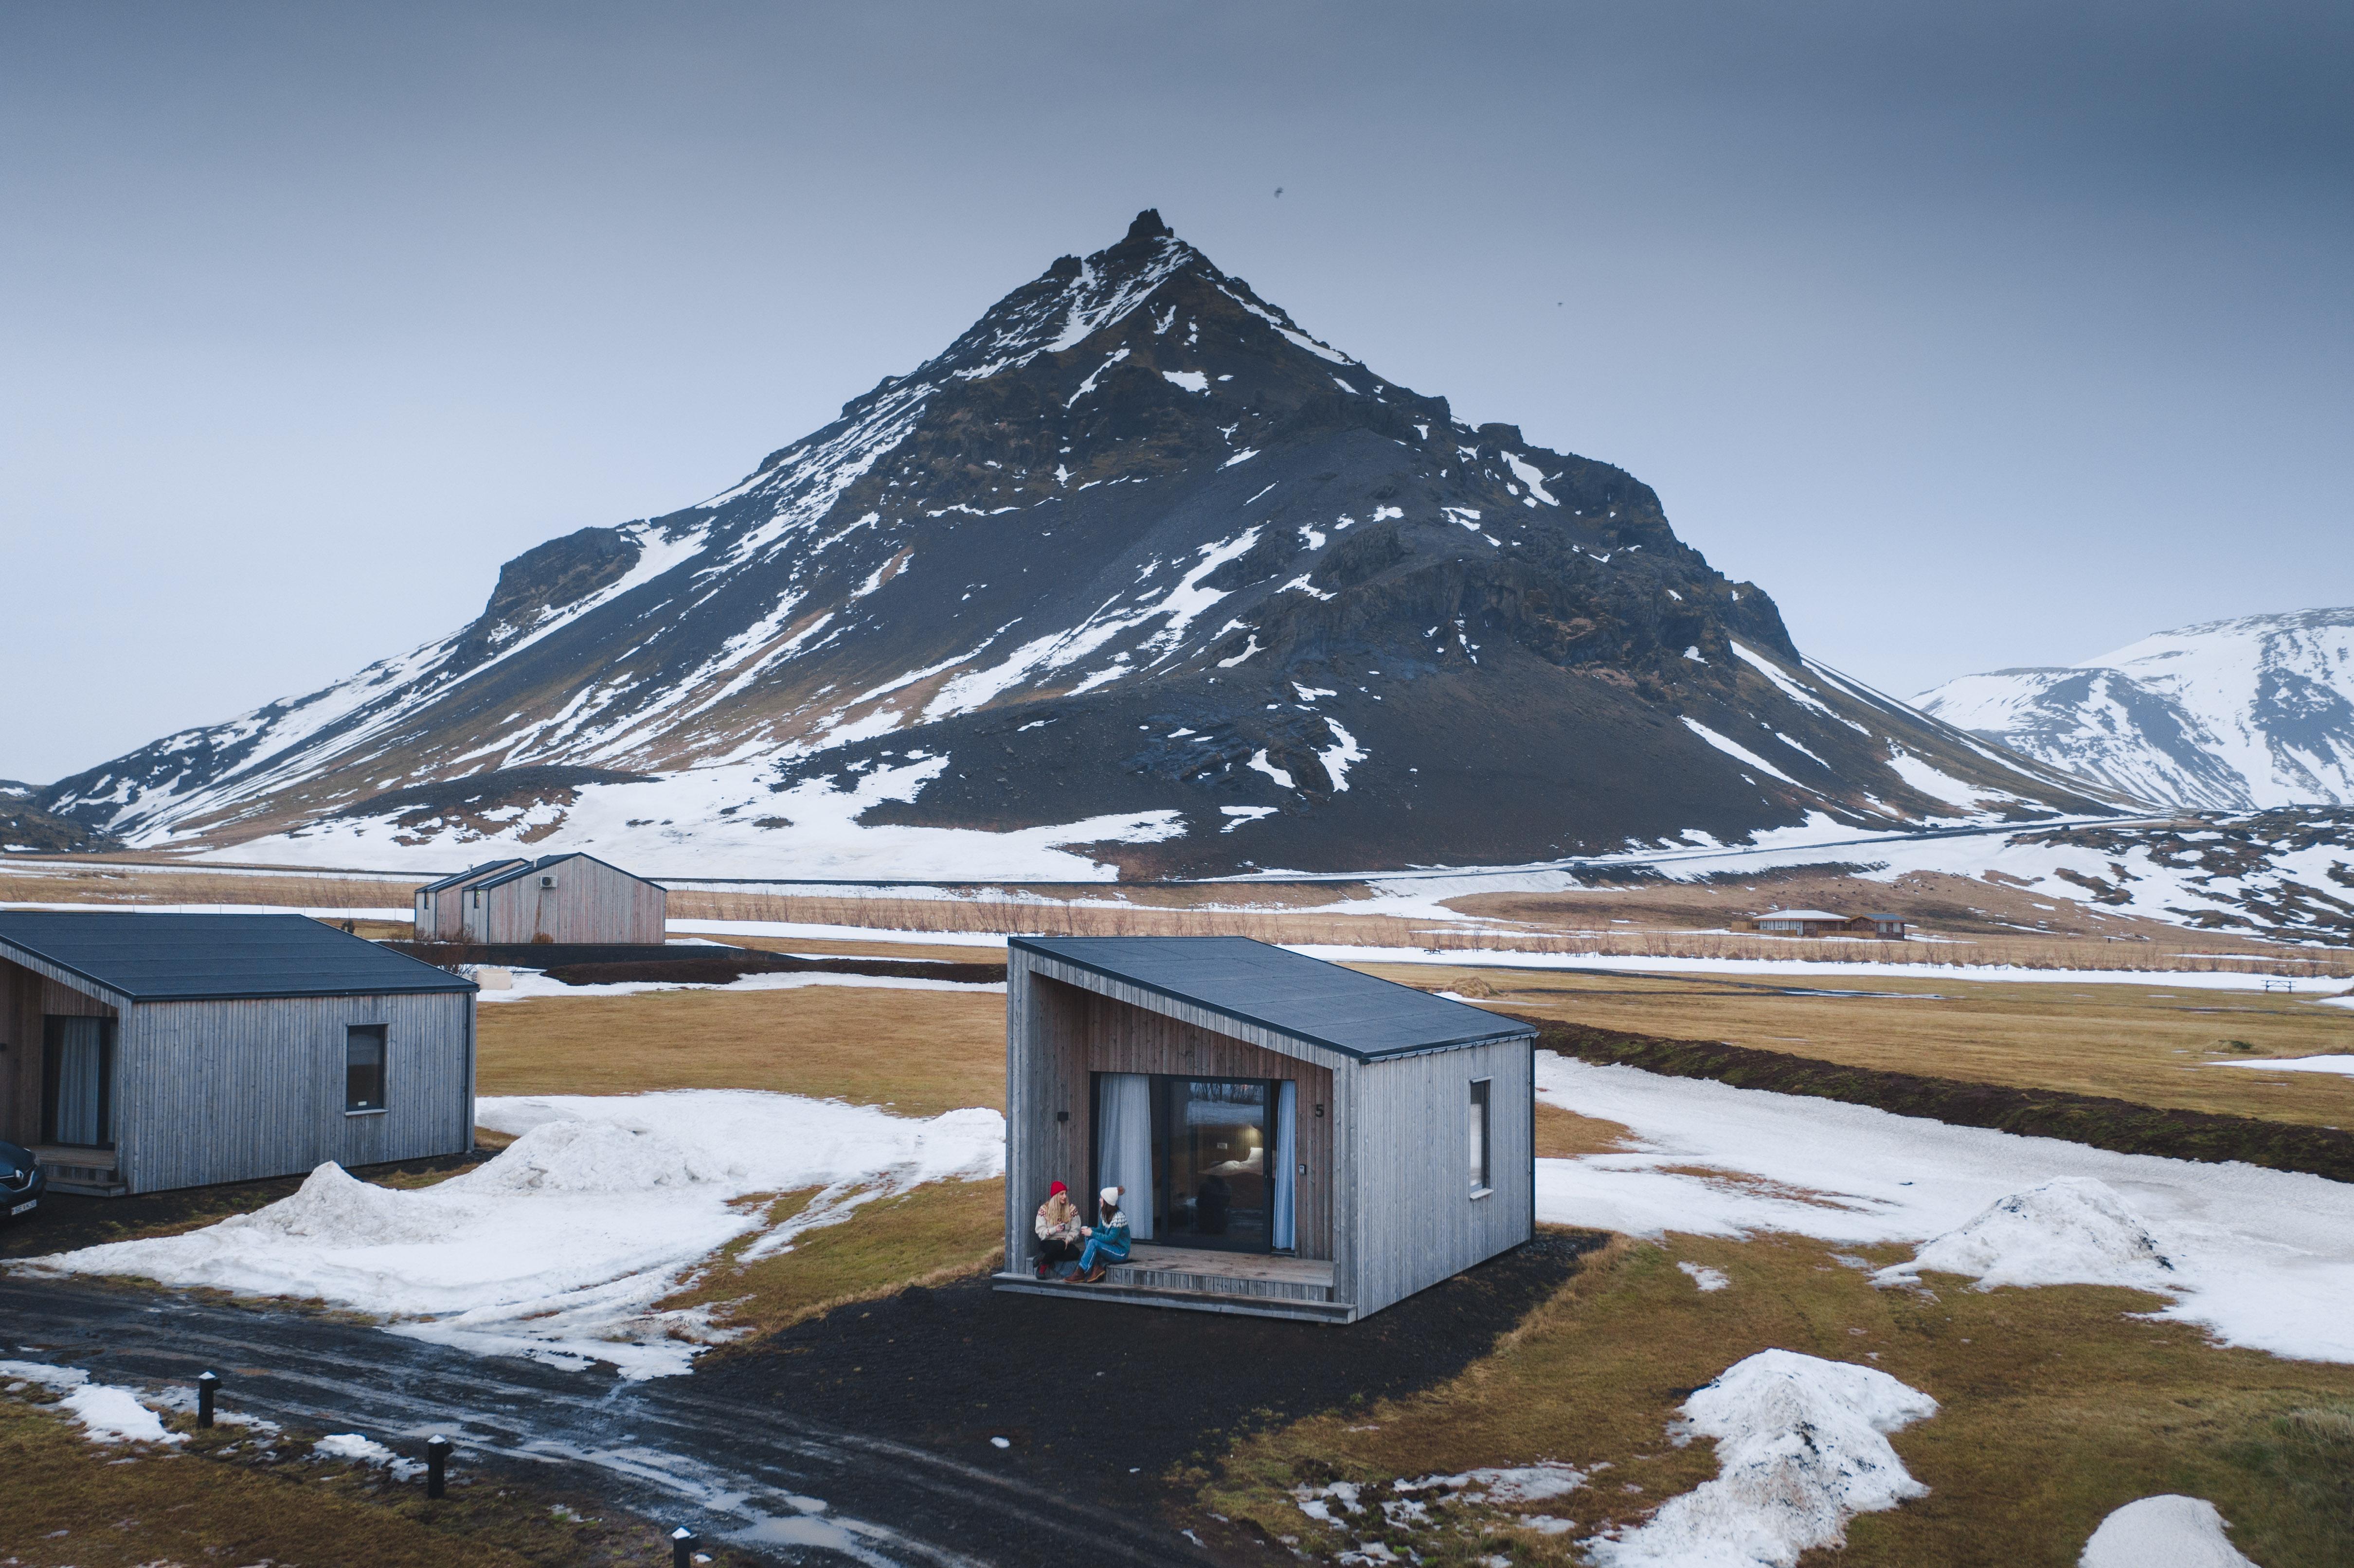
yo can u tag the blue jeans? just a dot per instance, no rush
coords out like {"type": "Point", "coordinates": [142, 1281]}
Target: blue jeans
{"type": "Point", "coordinates": [1098, 1250]}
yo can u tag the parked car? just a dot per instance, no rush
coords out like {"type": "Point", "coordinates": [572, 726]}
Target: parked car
{"type": "Point", "coordinates": [21, 1180]}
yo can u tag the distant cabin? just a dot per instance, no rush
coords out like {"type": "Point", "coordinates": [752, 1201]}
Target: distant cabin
{"type": "Point", "coordinates": [145, 1052]}
{"type": "Point", "coordinates": [1297, 1140]}
{"type": "Point", "coordinates": [1823, 923]}
{"type": "Point", "coordinates": [566, 898]}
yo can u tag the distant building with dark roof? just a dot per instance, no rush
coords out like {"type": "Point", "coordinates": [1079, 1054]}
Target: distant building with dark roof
{"type": "Point", "coordinates": [1296, 1138]}
{"type": "Point", "coordinates": [145, 1052]}
{"type": "Point", "coordinates": [1823, 923]}
{"type": "Point", "coordinates": [567, 898]}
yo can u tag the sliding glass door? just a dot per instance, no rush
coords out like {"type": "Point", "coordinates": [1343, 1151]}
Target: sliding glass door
{"type": "Point", "coordinates": [1212, 1161]}
{"type": "Point", "coordinates": [78, 1081]}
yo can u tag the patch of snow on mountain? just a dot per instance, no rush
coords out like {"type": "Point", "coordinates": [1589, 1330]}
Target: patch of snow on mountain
{"type": "Point", "coordinates": [1738, 753]}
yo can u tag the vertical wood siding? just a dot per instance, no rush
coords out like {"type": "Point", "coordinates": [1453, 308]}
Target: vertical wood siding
{"type": "Point", "coordinates": [237, 1090]}
{"type": "Point", "coordinates": [1058, 1036]}
{"type": "Point", "coordinates": [26, 998]}
{"type": "Point", "coordinates": [1417, 1222]}
{"type": "Point", "coordinates": [591, 903]}
{"type": "Point", "coordinates": [1120, 1038]}
{"type": "Point", "coordinates": [1388, 1197]}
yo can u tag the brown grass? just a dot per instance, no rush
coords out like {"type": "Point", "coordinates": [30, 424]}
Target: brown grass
{"type": "Point", "coordinates": [1551, 923]}
{"type": "Point", "coordinates": [2135, 1043]}
{"type": "Point", "coordinates": [2057, 1407]}
{"type": "Point", "coordinates": [223, 1497]}
{"type": "Point", "coordinates": [918, 1052]}
{"type": "Point", "coordinates": [938, 1231]}
{"type": "Point", "coordinates": [106, 884]}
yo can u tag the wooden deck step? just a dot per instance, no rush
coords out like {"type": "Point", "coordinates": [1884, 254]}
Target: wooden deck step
{"type": "Point", "coordinates": [1206, 1280]}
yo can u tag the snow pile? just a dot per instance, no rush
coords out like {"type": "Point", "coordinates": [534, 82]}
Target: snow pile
{"type": "Point", "coordinates": [2165, 1532]}
{"type": "Point", "coordinates": [2072, 1231]}
{"type": "Point", "coordinates": [1801, 1446]}
{"type": "Point", "coordinates": [107, 1413]}
{"type": "Point", "coordinates": [365, 1450]}
{"type": "Point", "coordinates": [1705, 1277]}
{"type": "Point", "coordinates": [563, 1245]}
{"type": "Point", "coordinates": [2261, 1258]}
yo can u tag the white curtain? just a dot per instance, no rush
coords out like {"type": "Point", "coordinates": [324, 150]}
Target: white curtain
{"type": "Point", "coordinates": [1124, 1146]}
{"type": "Point", "coordinates": [1286, 1161]}
{"type": "Point", "coordinates": [81, 1081]}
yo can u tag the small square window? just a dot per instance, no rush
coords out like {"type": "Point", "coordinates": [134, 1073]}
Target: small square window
{"type": "Point", "coordinates": [364, 1067]}
{"type": "Point", "coordinates": [1480, 1136]}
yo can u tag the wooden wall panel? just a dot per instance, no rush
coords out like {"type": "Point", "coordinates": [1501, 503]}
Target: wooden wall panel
{"type": "Point", "coordinates": [26, 998]}
{"type": "Point", "coordinates": [1059, 1035]}
{"type": "Point", "coordinates": [237, 1090]}
{"type": "Point", "coordinates": [591, 903]}
{"type": "Point", "coordinates": [1122, 1038]}
{"type": "Point", "coordinates": [1419, 1222]}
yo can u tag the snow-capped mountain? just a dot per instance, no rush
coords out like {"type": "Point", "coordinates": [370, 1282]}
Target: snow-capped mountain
{"type": "Point", "coordinates": [2232, 714]}
{"type": "Point", "coordinates": [1136, 575]}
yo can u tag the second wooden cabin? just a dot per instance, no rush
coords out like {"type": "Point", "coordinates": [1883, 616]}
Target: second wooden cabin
{"type": "Point", "coordinates": [564, 898]}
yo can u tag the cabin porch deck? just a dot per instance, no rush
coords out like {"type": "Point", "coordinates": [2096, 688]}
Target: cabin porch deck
{"type": "Point", "coordinates": [1258, 1284]}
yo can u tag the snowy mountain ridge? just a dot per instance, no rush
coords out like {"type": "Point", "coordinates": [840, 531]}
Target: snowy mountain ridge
{"type": "Point", "coordinates": [2251, 713]}
{"type": "Point", "coordinates": [1137, 576]}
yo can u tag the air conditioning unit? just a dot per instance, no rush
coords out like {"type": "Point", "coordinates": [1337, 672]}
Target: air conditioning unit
{"type": "Point", "coordinates": [548, 882]}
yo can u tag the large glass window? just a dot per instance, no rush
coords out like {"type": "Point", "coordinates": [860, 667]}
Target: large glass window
{"type": "Point", "coordinates": [1211, 1163]}
{"type": "Point", "coordinates": [364, 1067]}
{"type": "Point", "coordinates": [1480, 1136]}
{"type": "Point", "coordinates": [78, 1081]}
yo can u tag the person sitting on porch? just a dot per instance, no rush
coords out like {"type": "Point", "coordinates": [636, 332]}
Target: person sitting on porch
{"type": "Point", "coordinates": [1058, 1230]}
{"type": "Point", "coordinates": [1107, 1238]}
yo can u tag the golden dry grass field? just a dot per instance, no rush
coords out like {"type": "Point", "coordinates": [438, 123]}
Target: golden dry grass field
{"type": "Point", "coordinates": [2151, 1044]}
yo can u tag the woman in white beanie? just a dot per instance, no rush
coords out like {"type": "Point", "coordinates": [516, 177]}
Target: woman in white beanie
{"type": "Point", "coordinates": [1107, 1238]}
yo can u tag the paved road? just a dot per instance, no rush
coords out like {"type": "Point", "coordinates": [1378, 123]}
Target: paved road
{"type": "Point", "coordinates": [666, 1448]}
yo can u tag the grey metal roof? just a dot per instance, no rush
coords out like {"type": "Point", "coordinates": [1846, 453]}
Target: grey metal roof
{"type": "Point", "coordinates": [158, 958]}
{"type": "Point", "coordinates": [1324, 1005]}
{"type": "Point", "coordinates": [472, 872]}
{"type": "Point", "coordinates": [525, 868]}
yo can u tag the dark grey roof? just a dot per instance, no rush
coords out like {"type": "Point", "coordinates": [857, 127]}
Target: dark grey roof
{"type": "Point", "coordinates": [525, 868]}
{"type": "Point", "coordinates": [472, 872]}
{"type": "Point", "coordinates": [1324, 1005]}
{"type": "Point", "coordinates": [157, 958]}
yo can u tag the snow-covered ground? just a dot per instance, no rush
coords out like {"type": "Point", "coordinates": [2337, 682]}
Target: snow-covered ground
{"type": "Point", "coordinates": [561, 1246]}
{"type": "Point", "coordinates": [2262, 1258]}
{"type": "Point", "coordinates": [108, 1414]}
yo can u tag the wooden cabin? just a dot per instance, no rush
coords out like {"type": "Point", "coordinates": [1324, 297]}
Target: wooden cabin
{"type": "Point", "coordinates": [145, 1052]}
{"type": "Point", "coordinates": [567, 898]}
{"type": "Point", "coordinates": [1297, 1140]}
{"type": "Point", "coordinates": [439, 908]}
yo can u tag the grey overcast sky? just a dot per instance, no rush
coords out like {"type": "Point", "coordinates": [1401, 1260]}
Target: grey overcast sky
{"type": "Point", "coordinates": [1982, 334]}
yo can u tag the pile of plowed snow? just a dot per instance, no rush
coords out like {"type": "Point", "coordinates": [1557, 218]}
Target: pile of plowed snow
{"type": "Point", "coordinates": [2165, 1532]}
{"type": "Point", "coordinates": [2072, 1231]}
{"type": "Point", "coordinates": [562, 1246]}
{"type": "Point", "coordinates": [1801, 1446]}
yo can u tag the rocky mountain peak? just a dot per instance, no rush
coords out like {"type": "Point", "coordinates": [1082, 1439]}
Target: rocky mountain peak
{"type": "Point", "coordinates": [1137, 573]}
